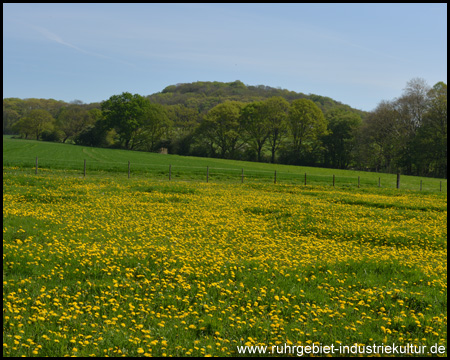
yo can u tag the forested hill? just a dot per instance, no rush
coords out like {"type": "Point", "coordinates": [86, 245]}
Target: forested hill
{"type": "Point", "coordinates": [254, 123]}
{"type": "Point", "coordinates": [200, 96]}
{"type": "Point", "coordinates": [204, 95]}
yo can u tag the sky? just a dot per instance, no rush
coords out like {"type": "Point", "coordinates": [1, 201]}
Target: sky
{"type": "Point", "coordinates": [357, 54]}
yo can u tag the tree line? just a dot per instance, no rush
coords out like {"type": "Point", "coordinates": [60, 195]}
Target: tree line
{"type": "Point", "coordinates": [235, 121]}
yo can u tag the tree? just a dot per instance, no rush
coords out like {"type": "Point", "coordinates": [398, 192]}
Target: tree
{"type": "Point", "coordinates": [255, 126]}
{"type": "Point", "coordinates": [307, 125]}
{"type": "Point", "coordinates": [415, 102]}
{"type": "Point", "coordinates": [275, 112]}
{"type": "Point", "coordinates": [340, 141]}
{"type": "Point", "coordinates": [399, 131]}
{"type": "Point", "coordinates": [96, 133]}
{"type": "Point", "coordinates": [10, 117]}
{"type": "Point", "coordinates": [185, 121]}
{"type": "Point", "coordinates": [410, 108]}
{"type": "Point", "coordinates": [431, 141]}
{"type": "Point", "coordinates": [125, 113]}
{"type": "Point", "coordinates": [155, 126]}
{"type": "Point", "coordinates": [379, 141]}
{"type": "Point", "coordinates": [72, 120]}
{"type": "Point", "coordinates": [35, 123]}
{"type": "Point", "coordinates": [23, 128]}
{"type": "Point", "coordinates": [222, 128]}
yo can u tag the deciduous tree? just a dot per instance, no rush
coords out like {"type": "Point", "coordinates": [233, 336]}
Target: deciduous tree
{"type": "Point", "coordinates": [125, 113]}
{"type": "Point", "coordinates": [275, 111]}
{"type": "Point", "coordinates": [35, 123]}
{"type": "Point", "coordinates": [72, 120]}
{"type": "Point", "coordinates": [255, 126]}
{"type": "Point", "coordinates": [222, 127]}
{"type": "Point", "coordinates": [307, 125]}
{"type": "Point", "coordinates": [339, 143]}
{"type": "Point", "coordinates": [154, 128]}
{"type": "Point", "coordinates": [431, 141]}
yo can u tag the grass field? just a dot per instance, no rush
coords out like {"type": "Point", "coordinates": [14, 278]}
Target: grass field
{"type": "Point", "coordinates": [110, 266]}
{"type": "Point", "coordinates": [52, 156]}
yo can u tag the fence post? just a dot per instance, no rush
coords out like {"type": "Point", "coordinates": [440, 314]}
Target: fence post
{"type": "Point", "coordinates": [333, 180]}
{"type": "Point", "coordinates": [207, 173]}
{"type": "Point", "coordinates": [420, 185]}
{"type": "Point", "coordinates": [84, 167]}
{"type": "Point", "coordinates": [398, 180]}
{"type": "Point", "coordinates": [170, 172]}
{"type": "Point", "coordinates": [358, 181]}
{"type": "Point", "coordinates": [128, 169]}
{"type": "Point", "coordinates": [275, 178]}
{"type": "Point", "coordinates": [242, 176]}
{"type": "Point", "coordinates": [36, 165]}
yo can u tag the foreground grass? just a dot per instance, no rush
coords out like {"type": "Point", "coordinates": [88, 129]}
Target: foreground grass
{"type": "Point", "coordinates": [113, 266]}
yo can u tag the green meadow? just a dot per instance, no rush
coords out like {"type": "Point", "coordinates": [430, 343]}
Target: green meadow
{"type": "Point", "coordinates": [106, 265]}
{"type": "Point", "coordinates": [57, 156]}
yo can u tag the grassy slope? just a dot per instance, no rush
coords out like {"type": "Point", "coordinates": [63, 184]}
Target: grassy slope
{"type": "Point", "coordinates": [22, 153]}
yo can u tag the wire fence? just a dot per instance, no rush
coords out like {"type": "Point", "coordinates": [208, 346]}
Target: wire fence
{"type": "Point", "coordinates": [216, 174]}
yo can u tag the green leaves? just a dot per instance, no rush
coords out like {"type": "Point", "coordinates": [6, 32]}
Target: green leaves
{"type": "Point", "coordinates": [255, 126]}
{"type": "Point", "coordinates": [35, 123]}
{"type": "Point", "coordinates": [221, 126]}
{"type": "Point", "coordinates": [133, 115]}
{"type": "Point", "coordinates": [340, 140]}
{"type": "Point", "coordinates": [306, 124]}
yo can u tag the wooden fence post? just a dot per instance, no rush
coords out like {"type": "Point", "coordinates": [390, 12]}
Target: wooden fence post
{"type": "Point", "coordinates": [333, 180]}
{"type": "Point", "coordinates": [398, 180]}
{"type": "Point", "coordinates": [84, 168]}
{"type": "Point", "coordinates": [207, 173]}
{"type": "Point", "coordinates": [358, 181]}
{"type": "Point", "coordinates": [36, 165]}
{"type": "Point", "coordinates": [242, 176]}
{"type": "Point", "coordinates": [128, 169]}
{"type": "Point", "coordinates": [305, 178]}
{"type": "Point", "coordinates": [275, 178]}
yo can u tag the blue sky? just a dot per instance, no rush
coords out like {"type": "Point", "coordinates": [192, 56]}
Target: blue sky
{"type": "Point", "coordinates": [358, 54]}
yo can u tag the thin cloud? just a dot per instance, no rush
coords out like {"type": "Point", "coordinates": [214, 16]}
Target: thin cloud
{"type": "Point", "coordinates": [57, 39]}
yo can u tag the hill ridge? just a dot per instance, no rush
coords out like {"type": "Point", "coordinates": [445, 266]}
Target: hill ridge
{"type": "Point", "coordinates": [204, 95]}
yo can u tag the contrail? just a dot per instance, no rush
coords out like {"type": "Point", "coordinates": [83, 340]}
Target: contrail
{"type": "Point", "coordinates": [55, 38]}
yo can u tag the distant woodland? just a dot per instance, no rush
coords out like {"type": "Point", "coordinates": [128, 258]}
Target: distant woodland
{"type": "Point", "coordinates": [407, 134]}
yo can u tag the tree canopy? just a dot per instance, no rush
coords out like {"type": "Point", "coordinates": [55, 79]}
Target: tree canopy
{"type": "Point", "coordinates": [125, 113]}
{"type": "Point", "coordinates": [307, 125]}
{"type": "Point", "coordinates": [257, 123]}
